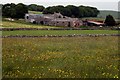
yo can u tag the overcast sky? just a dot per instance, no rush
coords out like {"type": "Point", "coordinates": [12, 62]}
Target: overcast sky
{"type": "Point", "coordinates": [100, 4]}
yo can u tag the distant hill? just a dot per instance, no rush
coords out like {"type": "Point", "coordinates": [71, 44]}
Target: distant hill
{"type": "Point", "coordinates": [104, 13]}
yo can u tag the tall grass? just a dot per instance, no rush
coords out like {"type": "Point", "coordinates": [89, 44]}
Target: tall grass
{"type": "Point", "coordinates": [80, 57]}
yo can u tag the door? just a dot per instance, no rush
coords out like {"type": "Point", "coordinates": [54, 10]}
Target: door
{"type": "Point", "coordinates": [68, 24]}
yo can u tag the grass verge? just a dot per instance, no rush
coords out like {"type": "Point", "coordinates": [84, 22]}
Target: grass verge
{"type": "Point", "coordinates": [22, 24]}
{"type": "Point", "coordinates": [58, 32]}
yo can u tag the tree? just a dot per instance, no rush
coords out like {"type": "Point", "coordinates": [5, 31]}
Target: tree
{"type": "Point", "coordinates": [40, 8]}
{"type": "Point", "coordinates": [74, 10]}
{"type": "Point", "coordinates": [48, 10]}
{"type": "Point", "coordinates": [14, 11]}
{"type": "Point", "coordinates": [6, 10]}
{"type": "Point", "coordinates": [110, 21]}
{"type": "Point", "coordinates": [81, 11]}
{"type": "Point", "coordinates": [67, 12]}
{"type": "Point", "coordinates": [34, 7]}
{"type": "Point", "coordinates": [86, 11]}
{"type": "Point", "coordinates": [21, 10]}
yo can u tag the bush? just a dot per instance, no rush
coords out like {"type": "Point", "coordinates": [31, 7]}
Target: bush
{"type": "Point", "coordinates": [110, 21]}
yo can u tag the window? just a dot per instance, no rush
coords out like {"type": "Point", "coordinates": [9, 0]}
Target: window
{"type": "Point", "coordinates": [34, 22]}
{"type": "Point", "coordinates": [64, 17]}
{"type": "Point", "coordinates": [41, 22]}
{"type": "Point", "coordinates": [59, 17]}
{"type": "Point", "coordinates": [27, 17]}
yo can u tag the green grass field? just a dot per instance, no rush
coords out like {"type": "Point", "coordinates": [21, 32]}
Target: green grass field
{"type": "Point", "coordinates": [79, 57]}
{"type": "Point", "coordinates": [58, 32]}
{"type": "Point", "coordinates": [34, 12]}
{"type": "Point", "coordinates": [22, 24]}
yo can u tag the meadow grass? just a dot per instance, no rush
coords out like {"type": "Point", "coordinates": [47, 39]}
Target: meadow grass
{"type": "Point", "coordinates": [34, 12]}
{"type": "Point", "coordinates": [79, 57]}
{"type": "Point", "coordinates": [23, 24]}
{"type": "Point", "coordinates": [57, 32]}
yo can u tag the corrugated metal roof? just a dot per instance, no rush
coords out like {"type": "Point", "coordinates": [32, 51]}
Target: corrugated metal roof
{"type": "Point", "coordinates": [98, 23]}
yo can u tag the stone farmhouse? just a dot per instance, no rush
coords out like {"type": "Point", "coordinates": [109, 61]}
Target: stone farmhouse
{"type": "Point", "coordinates": [55, 19]}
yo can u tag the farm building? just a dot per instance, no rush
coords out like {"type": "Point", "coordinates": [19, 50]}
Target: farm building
{"type": "Point", "coordinates": [93, 23]}
{"type": "Point", "coordinates": [55, 19]}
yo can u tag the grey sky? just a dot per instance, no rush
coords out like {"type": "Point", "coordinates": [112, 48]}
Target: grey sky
{"type": "Point", "coordinates": [100, 4]}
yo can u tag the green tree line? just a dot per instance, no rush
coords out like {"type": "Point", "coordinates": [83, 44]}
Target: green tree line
{"type": "Point", "coordinates": [73, 11]}
{"type": "Point", "coordinates": [19, 10]}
